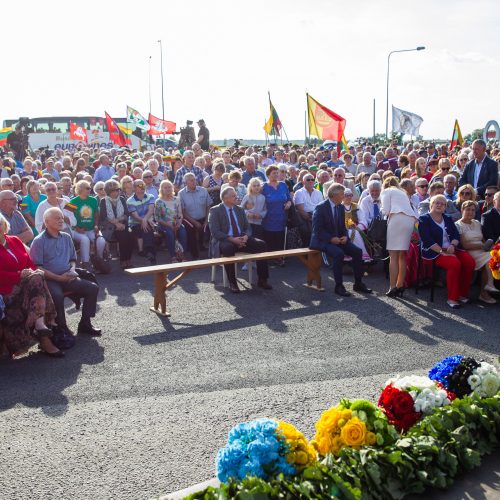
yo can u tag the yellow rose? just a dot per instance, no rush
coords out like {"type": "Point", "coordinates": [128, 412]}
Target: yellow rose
{"type": "Point", "coordinates": [354, 432]}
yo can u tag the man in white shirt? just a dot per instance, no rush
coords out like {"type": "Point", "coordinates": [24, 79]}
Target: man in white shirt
{"type": "Point", "coordinates": [305, 200]}
{"type": "Point", "coordinates": [370, 208]}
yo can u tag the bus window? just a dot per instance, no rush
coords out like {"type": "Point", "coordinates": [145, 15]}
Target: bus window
{"type": "Point", "coordinates": [41, 126]}
{"type": "Point", "coordinates": [60, 127]}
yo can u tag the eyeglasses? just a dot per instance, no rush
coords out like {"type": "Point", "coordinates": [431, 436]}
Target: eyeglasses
{"type": "Point", "coordinates": [489, 194]}
{"type": "Point", "coordinates": [141, 186]}
{"type": "Point", "coordinates": [423, 186]}
{"type": "Point", "coordinates": [309, 179]}
{"type": "Point", "coordinates": [147, 177]}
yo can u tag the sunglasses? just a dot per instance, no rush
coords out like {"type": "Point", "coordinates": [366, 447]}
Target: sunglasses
{"type": "Point", "coordinates": [309, 179]}
{"type": "Point", "coordinates": [148, 177]}
{"type": "Point", "coordinates": [489, 194]}
{"type": "Point", "coordinates": [141, 186]}
{"type": "Point", "coordinates": [423, 186]}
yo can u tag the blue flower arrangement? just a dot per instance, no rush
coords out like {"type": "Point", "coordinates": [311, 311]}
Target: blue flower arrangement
{"type": "Point", "coordinates": [254, 448]}
{"type": "Point", "coordinates": [441, 371]}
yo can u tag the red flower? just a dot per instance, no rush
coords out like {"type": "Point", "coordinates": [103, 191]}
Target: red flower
{"type": "Point", "coordinates": [399, 408]}
{"type": "Point", "coordinates": [402, 404]}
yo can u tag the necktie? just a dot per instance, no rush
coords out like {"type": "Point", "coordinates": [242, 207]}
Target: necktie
{"type": "Point", "coordinates": [234, 225]}
{"type": "Point", "coordinates": [338, 217]}
{"type": "Point", "coordinates": [376, 210]}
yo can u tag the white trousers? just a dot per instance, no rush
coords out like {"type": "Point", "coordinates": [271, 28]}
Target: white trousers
{"type": "Point", "coordinates": [84, 240]}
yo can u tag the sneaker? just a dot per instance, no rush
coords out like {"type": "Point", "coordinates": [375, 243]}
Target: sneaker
{"type": "Point", "coordinates": [453, 304]}
{"type": "Point", "coordinates": [487, 298]}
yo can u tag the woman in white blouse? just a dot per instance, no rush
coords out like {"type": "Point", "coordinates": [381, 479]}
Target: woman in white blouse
{"type": "Point", "coordinates": [401, 220]}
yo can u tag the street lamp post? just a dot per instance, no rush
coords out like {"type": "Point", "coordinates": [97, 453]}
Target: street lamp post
{"type": "Point", "coordinates": [161, 66]}
{"type": "Point", "coordinates": [149, 84]}
{"type": "Point", "coordinates": [387, 96]}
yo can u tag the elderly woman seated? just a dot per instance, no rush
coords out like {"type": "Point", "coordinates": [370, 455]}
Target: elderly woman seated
{"type": "Point", "coordinates": [113, 221]}
{"type": "Point", "coordinates": [471, 238]}
{"type": "Point", "coordinates": [441, 243]}
{"type": "Point", "coordinates": [29, 309]}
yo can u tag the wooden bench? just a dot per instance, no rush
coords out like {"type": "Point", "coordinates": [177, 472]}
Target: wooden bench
{"type": "Point", "coordinates": [310, 258]}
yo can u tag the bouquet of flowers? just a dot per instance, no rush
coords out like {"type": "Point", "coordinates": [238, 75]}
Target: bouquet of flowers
{"type": "Point", "coordinates": [352, 424]}
{"type": "Point", "coordinates": [466, 376]}
{"type": "Point", "coordinates": [406, 399]}
{"type": "Point", "coordinates": [495, 261]}
{"type": "Point", "coordinates": [264, 448]}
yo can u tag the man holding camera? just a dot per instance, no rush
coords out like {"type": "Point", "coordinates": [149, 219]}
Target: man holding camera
{"type": "Point", "coordinates": [16, 142]}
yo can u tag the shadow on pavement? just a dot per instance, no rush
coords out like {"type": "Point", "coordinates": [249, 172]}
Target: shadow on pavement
{"type": "Point", "coordinates": [43, 379]}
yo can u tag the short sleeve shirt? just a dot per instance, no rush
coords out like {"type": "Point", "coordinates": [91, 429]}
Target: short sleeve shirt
{"type": "Point", "coordinates": [195, 203]}
{"type": "Point", "coordinates": [85, 212]}
{"type": "Point", "coordinates": [53, 254]}
{"type": "Point", "coordinates": [140, 207]}
{"type": "Point", "coordinates": [17, 223]}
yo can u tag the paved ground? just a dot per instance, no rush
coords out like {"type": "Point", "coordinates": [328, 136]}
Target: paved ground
{"type": "Point", "coordinates": [143, 410]}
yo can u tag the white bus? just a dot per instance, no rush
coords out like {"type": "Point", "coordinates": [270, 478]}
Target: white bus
{"type": "Point", "coordinates": [53, 132]}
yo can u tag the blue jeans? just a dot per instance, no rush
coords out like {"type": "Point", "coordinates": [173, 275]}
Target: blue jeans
{"type": "Point", "coordinates": [181, 236]}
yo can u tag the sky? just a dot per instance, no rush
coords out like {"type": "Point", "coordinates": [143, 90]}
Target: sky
{"type": "Point", "coordinates": [220, 59]}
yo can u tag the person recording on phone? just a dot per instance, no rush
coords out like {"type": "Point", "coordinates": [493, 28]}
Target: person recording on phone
{"type": "Point", "coordinates": [17, 143]}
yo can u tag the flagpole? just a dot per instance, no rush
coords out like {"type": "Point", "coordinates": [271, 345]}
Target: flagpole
{"type": "Point", "coordinates": [373, 121]}
{"type": "Point", "coordinates": [149, 84]}
{"type": "Point", "coordinates": [265, 132]}
{"type": "Point", "coordinates": [161, 67]}
{"type": "Point", "coordinates": [305, 127]}
{"type": "Point", "coordinates": [307, 114]}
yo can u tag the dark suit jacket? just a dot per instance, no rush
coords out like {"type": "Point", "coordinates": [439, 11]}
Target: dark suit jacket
{"type": "Point", "coordinates": [431, 233]}
{"type": "Point", "coordinates": [324, 227]}
{"type": "Point", "coordinates": [218, 221]}
{"type": "Point", "coordinates": [491, 224]}
{"type": "Point", "coordinates": [487, 177]}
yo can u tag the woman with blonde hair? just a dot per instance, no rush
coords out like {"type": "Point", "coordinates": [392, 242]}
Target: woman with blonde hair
{"type": "Point", "coordinates": [127, 186]}
{"type": "Point", "coordinates": [444, 167]}
{"type": "Point", "coordinates": [214, 181]}
{"type": "Point", "coordinates": [168, 215]}
{"type": "Point", "coordinates": [401, 219]}
{"type": "Point", "coordinates": [465, 193]}
{"type": "Point", "coordinates": [471, 239]}
{"type": "Point", "coordinates": [234, 180]}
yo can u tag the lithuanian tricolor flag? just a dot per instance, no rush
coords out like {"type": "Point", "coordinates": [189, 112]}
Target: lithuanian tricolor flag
{"type": "Point", "coordinates": [456, 138]}
{"type": "Point", "coordinates": [273, 125]}
{"type": "Point", "coordinates": [4, 132]}
{"type": "Point", "coordinates": [323, 122]}
{"type": "Point", "coordinates": [343, 144]}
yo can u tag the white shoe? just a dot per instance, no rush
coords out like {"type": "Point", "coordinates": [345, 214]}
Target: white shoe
{"type": "Point", "coordinates": [464, 300]}
{"type": "Point", "coordinates": [453, 304]}
{"type": "Point", "coordinates": [492, 289]}
{"type": "Point", "coordinates": [245, 267]}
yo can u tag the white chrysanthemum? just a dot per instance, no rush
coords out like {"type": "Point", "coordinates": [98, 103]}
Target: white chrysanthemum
{"type": "Point", "coordinates": [485, 368]}
{"type": "Point", "coordinates": [417, 381]}
{"type": "Point", "coordinates": [474, 381]}
{"type": "Point", "coordinates": [490, 384]}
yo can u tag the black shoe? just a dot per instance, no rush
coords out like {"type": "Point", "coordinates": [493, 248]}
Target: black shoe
{"type": "Point", "coordinates": [234, 287]}
{"type": "Point", "coordinates": [393, 292]}
{"type": "Point", "coordinates": [62, 330]}
{"type": "Point", "coordinates": [88, 329]}
{"type": "Point", "coordinates": [264, 284]}
{"type": "Point", "coordinates": [401, 290]}
{"type": "Point", "coordinates": [152, 260]}
{"type": "Point", "coordinates": [340, 290]}
{"type": "Point", "coordinates": [361, 287]}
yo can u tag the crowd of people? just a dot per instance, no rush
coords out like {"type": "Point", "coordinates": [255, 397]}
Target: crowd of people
{"type": "Point", "coordinates": [64, 214]}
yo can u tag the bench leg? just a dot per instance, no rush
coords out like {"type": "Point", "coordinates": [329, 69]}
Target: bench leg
{"type": "Point", "coordinates": [313, 264]}
{"type": "Point", "coordinates": [224, 277]}
{"type": "Point", "coordinates": [160, 299]}
{"type": "Point", "coordinates": [250, 271]}
{"type": "Point", "coordinates": [214, 271]}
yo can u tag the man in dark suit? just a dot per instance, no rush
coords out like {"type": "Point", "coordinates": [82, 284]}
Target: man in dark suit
{"type": "Point", "coordinates": [491, 220]}
{"type": "Point", "coordinates": [482, 171]}
{"type": "Point", "coordinates": [229, 228]}
{"type": "Point", "coordinates": [329, 235]}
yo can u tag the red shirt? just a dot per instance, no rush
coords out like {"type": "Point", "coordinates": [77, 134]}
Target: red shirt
{"type": "Point", "coordinates": [12, 265]}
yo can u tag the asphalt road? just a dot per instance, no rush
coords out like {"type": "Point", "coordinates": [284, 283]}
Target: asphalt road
{"type": "Point", "coordinates": [142, 411]}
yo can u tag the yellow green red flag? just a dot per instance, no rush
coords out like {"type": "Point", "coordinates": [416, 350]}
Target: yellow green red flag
{"type": "Point", "coordinates": [456, 138]}
{"type": "Point", "coordinates": [4, 132]}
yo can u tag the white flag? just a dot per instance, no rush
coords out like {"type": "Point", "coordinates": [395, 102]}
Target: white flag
{"type": "Point", "coordinates": [405, 122]}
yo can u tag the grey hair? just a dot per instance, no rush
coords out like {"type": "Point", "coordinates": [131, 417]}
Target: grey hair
{"type": "Point", "coordinates": [225, 189]}
{"type": "Point", "coordinates": [449, 177]}
{"type": "Point", "coordinates": [189, 175]}
{"type": "Point", "coordinates": [335, 188]}
{"type": "Point", "coordinates": [188, 152]}
{"type": "Point", "coordinates": [374, 184]}
{"type": "Point", "coordinates": [49, 212]}
{"type": "Point", "coordinates": [4, 224]}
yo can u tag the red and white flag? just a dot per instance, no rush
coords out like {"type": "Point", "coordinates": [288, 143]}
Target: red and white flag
{"type": "Point", "coordinates": [157, 126]}
{"type": "Point", "coordinates": [78, 133]}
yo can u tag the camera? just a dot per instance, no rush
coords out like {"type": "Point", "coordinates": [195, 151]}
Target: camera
{"type": "Point", "coordinates": [26, 126]}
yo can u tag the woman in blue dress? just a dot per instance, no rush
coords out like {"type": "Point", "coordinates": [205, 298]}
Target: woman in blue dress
{"type": "Point", "coordinates": [278, 201]}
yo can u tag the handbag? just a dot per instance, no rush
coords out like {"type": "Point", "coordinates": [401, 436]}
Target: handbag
{"type": "Point", "coordinates": [293, 218]}
{"type": "Point", "coordinates": [108, 231]}
{"type": "Point", "coordinates": [377, 230]}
